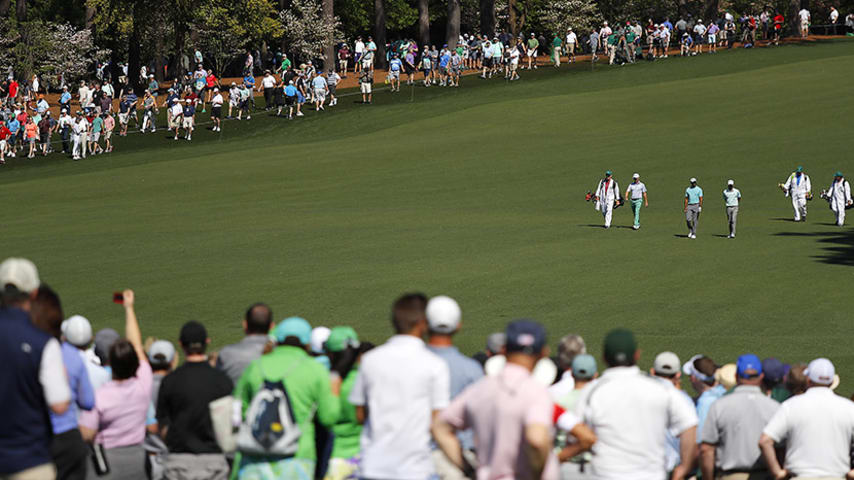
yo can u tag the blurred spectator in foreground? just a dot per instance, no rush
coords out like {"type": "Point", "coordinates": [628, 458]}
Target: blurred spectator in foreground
{"type": "Point", "coordinates": [774, 378]}
{"type": "Point", "coordinates": [667, 369]}
{"type": "Point", "coordinates": [584, 371]}
{"type": "Point", "coordinates": [233, 359]}
{"type": "Point", "coordinates": [78, 332]}
{"type": "Point", "coordinates": [627, 409]}
{"type": "Point", "coordinates": [68, 449]}
{"type": "Point", "coordinates": [32, 379]}
{"type": "Point", "coordinates": [444, 320]}
{"type": "Point", "coordinates": [400, 388]}
{"type": "Point", "coordinates": [817, 428]}
{"type": "Point", "coordinates": [183, 414]}
{"type": "Point", "coordinates": [117, 423]}
{"type": "Point", "coordinates": [702, 370]}
{"type": "Point", "coordinates": [734, 423]}
{"type": "Point", "coordinates": [567, 349]}
{"type": "Point", "coordinates": [494, 346]}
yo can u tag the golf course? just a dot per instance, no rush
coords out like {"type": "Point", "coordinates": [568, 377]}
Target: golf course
{"type": "Point", "coordinates": [478, 193]}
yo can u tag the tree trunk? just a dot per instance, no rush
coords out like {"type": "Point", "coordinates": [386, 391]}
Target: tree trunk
{"type": "Point", "coordinates": [711, 10]}
{"type": "Point", "coordinates": [424, 22]}
{"type": "Point", "coordinates": [379, 32]}
{"type": "Point", "coordinates": [134, 53]}
{"type": "Point", "coordinates": [180, 39]}
{"type": "Point", "coordinates": [794, 7]}
{"type": "Point", "coordinates": [452, 32]}
{"type": "Point", "coordinates": [90, 18]}
{"type": "Point", "coordinates": [5, 6]}
{"type": "Point", "coordinates": [328, 9]}
{"type": "Point", "coordinates": [487, 17]}
{"type": "Point", "coordinates": [21, 11]}
{"type": "Point", "coordinates": [159, 53]}
{"type": "Point", "coordinates": [511, 10]}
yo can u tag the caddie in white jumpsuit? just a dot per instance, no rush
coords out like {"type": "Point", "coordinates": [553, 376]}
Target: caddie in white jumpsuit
{"type": "Point", "coordinates": [839, 195]}
{"type": "Point", "coordinates": [607, 194]}
{"type": "Point", "coordinates": [798, 187]}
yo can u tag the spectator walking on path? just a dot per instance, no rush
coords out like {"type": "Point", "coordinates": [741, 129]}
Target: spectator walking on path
{"type": "Point", "coordinates": [400, 388]}
{"type": "Point", "coordinates": [734, 423]}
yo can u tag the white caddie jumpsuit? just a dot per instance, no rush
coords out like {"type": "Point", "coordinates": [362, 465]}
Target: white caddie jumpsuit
{"type": "Point", "coordinates": [607, 192]}
{"type": "Point", "coordinates": [839, 195]}
{"type": "Point", "coordinates": [80, 130]}
{"type": "Point", "coordinates": [798, 187]}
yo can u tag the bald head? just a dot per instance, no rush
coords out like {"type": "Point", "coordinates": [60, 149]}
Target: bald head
{"type": "Point", "coordinates": [258, 319]}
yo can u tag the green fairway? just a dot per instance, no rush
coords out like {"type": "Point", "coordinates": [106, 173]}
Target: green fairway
{"type": "Point", "coordinates": [478, 193]}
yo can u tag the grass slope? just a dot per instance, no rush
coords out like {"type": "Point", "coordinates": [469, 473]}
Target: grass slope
{"type": "Point", "coordinates": [477, 193]}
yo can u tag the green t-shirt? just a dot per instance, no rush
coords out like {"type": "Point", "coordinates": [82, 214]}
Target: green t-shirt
{"type": "Point", "coordinates": [347, 430]}
{"type": "Point", "coordinates": [533, 43]}
{"type": "Point", "coordinates": [286, 64]}
{"type": "Point", "coordinates": [307, 384]}
{"type": "Point", "coordinates": [460, 50]}
{"type": "Point", "coordinates": [556, 42]}
{"type": "Point", "coordinates": [613, 39]}
{"type": "Point", "coordinates": [780, 393]}
{"type": "Point", "coordinates": [630, 37]}
{"type": "Point", "coordinates": [97, 124]}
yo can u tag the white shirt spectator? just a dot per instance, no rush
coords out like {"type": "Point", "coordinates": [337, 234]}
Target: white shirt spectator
{"type": "Point", "coordinates": [52, 374]}
{"type": "Point", "coordinates": [834, 15]}
{"type": "Point", "coordinates": [631, 415]}
{"type": "Point", "coordinates": [268, 81]}
{"type": "Point", "coordinates": [360, 46]}
{"type": "Point", "coordinates": [804, 14]}
{"type": "Point", "coordinates": [571, 38]}
{"type": "Point", "coordinates": [818, 428]}
{"type": "Point", "coordinates": [216, 101]}
{"type": "Point", "coordinates": [562, 387]}
{"type": "Point", "coordinates": [700, 29]}
{"type": "Point", "coordinates": [401, 383]}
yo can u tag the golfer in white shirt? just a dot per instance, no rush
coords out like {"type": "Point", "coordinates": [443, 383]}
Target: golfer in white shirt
{"type": "Point", "coordinates": [732, 198]}
{"type": "Point", "coordinates": [636, 193]}
{"type": "Point", "coordinates": [607, 196]}
{"type": "Point", "coordinates": [817, 428]}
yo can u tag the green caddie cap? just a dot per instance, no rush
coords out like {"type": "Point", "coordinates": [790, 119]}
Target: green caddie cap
{"type": "Point", "coordinates": [620, 346]}
{"type": "Point", "coordinates": [340, 338]}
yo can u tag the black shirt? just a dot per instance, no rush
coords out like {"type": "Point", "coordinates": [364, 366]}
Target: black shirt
{"type": "Point", "coordinates": [182, 405]}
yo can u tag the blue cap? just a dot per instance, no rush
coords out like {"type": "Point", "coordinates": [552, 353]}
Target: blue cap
{"type": "Point", "coordinates": [748, 366]}
{"type": "Point", "coordinates": [774, 369]}
{"type": "Point", "coordinates": [583, 366]}
{"type": "Point", "coordinates": [293, 327]}
{"type": "Point", "coordinates": [525, 336]}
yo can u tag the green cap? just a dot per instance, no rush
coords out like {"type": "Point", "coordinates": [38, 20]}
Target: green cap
{"type": "Point", "coordinates": [800, 169]}
{"type": "Point", "coordinates": [620, 347]}
{"type": "Point", "coordinates": [838, 174]}
{"type": "Point", "coordinates": [607, 173]}
{"type": "Point", "coordinates": [340, 338]}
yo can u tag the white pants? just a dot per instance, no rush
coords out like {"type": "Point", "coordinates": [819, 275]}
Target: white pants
{"type": "Point", "coordinates": [838, 207]}
{"type": "Point", "coordinates": [799, 203]}
{"type": "Point", "coordinates": [79, 145]}
{"type": "Point", "coordinates": [607, 212]}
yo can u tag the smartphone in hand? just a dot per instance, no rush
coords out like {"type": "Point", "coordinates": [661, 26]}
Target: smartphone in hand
{"type": "Point", "coordinates": [119, 298]}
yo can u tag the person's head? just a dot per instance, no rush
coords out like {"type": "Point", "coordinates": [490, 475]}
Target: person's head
{"type": "Point", "coordinates": [820, 373]}
{"type": "Point", "coordinates": [607, 174]}
{"type": "Point", "coordinates": [495, 343]}
{"type": "Point", "coordinates": [46, 311]}
{"type": "Point", "coordinates": [693, 182]}
{"type": "Point", "coordinates": [258, 319]}
{"type": "Point", "coordinates": [77, 331]}
{"type": "Point", "coordinates": [748, 370]}
{"type": "Point", "coordinates": [621, 348]}
{"type": "Point", "coordinates": [319, 335]}
{"type": "Point", "coordinates": [666, 365]}
{"type": "Point", "coordinates": [799, 171]}
{"type": "Point", "coordinates": [443, 316]}
{"type": "Point", "coordinates": [19, 280]}
{"type": "Point", "coordinates": [837, 176]}
{"type": "Point", "coordinates": [161, 354]}
{"type": "Point", "coordinates": [526, 343]}
{"type": "Point", "coordinates": [293, 332]}
{"type": "Point", "coordinates": [104, 340]}
{"type": "Point", "coordinates": [408, 315]}
{"type": "Point", "coordinates": [583, 369]}
{"type": "Point", "coordinates": [730, 184]}
{"type": "Point", "coordinates": [123, 359]}
{"type": "Point", "coordinates": [194, 338]}
{"type": "Point", "coordinates": [702, 371]}
{"type": "Point", "coordinates": [796, 380]}
{"type": "Point", "coordinates": [635, 178]}
{"type": "Point", "coordinates": [569, 347]}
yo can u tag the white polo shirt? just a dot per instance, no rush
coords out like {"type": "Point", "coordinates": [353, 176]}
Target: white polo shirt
{"type": "Point", "coordinates": [818, 428]}
{"type": "Point", "coordinates": [401, 383]}
{"type": "Point", "coordinates": [631, 415]}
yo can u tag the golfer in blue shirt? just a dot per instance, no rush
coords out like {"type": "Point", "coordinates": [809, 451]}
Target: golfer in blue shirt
{"type": "Point", "coordinates": [693, 207]}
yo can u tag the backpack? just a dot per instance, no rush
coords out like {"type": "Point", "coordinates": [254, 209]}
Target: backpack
{"type": "Point", "coordinates": [270, 428]}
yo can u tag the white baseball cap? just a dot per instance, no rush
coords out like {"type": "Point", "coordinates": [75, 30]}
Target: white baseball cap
{"type": "Point", "coordinates": [319, 336]}
{"type": "Point", "coordinates": [637, 175]}
{"type": "Point", "coordinates": [443, 314]}
{"type": "Point", "coordinates": [21, 273]}
{"type": "Point", "coordinates": [77, 330]}
{"type": "Point", "coordinates": [730, 182]}
{"type": "Point", "coordinates": [161, 347]}
{"type": "Point", "coordinates": [693, 180]}
{"type": "Point", "coordinates": [821, 371]}
{"type": "Point", "coordinates": [666, 363]}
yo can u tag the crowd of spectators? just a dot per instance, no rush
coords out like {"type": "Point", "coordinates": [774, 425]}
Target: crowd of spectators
{"type": "Point", "coordinates": [290, 401]}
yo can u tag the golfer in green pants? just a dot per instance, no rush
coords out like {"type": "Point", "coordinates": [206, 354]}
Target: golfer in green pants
{"type": "Point", "coordinates": [637, 194]}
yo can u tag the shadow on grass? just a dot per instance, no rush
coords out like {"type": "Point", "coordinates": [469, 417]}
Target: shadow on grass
{"type": "Point", "coordinates": [838, 245]}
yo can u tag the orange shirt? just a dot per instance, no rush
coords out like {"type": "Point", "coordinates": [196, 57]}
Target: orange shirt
{"type": "Point", "coordinates": [31, 130]}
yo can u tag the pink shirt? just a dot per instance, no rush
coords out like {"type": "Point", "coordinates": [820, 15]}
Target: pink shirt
{"type": "Point", "coordinates": [120, 410]}
{"type": "Point", "coordinates": [498, 409]}
{"type": "Point", "coordinates": [109, 123]}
